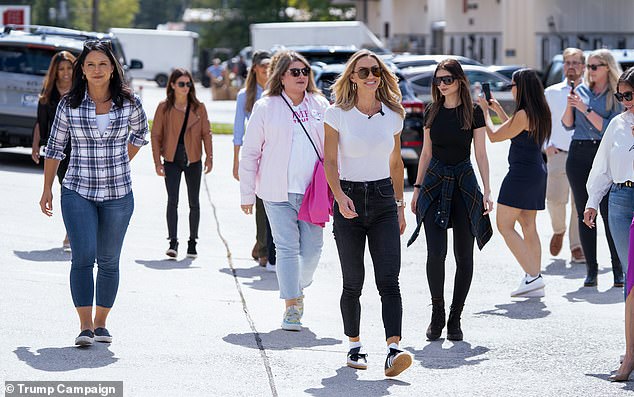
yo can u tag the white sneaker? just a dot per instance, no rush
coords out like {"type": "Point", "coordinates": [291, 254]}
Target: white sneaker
{"type": "Point", "coordinates": [529, 284]}
{"type": "Point", "coordinates": [270, 268]}
{"type": "Point", "coordinates": [292, 319]}
{"type": "Point", "coordinates": [538, 293]}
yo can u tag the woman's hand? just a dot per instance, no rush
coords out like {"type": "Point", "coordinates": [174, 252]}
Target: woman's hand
{"type": "Point", "coordinates": [209, 164]}
{"type": "Point", "coordinates": [488, 203]}
{"type": "Point", "coordinates": [495, 105]}
{"type": "Point", "coordinates": [589, 215]}
{"type": "Point", "coordinates": [160, 170]}
{"type": "Point", "coordinates": [346, 207]}
{"type": "Point", "coordinates": [35, 152]}
{"type": "Point", "coordinates": [575, 101]}
{"type": "Point", "coordinates": [412, 205]}
{"type": "Point", "coordinates": [236, 167]}
{"type": "Point", "coordinates": [247, 208]}
{"type": "Point", "coordinates": [484, 104]}
{"type": "Point", "coordinates": [46, 202]}
{"type": "Point", "coordinates": [401, 219]}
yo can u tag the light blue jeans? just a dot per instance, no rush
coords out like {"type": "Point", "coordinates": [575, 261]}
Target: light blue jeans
{"type": "Point", "coordinates": [621, 209]}
{"type": "Point", "coordinates": [297, 243]}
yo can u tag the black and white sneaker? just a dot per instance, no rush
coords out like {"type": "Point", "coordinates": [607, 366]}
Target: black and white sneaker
{"type": "Point", "coordinates": [85, 338]}
{"type": "Point", "coordinates": [102, 335]}
{"type": "Point", "coordinates": [191, 249]}
{"type": "Point", "coordinates": [397, 361]}
{"type": "Point", "coordinates": [356, 359]}
{"type": "Point", "coordinates": [172, 251]}
{"type": "Point", "coordinates": [529, 284]}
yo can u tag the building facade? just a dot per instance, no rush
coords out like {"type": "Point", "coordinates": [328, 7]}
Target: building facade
{"type": "Point", "coordinates": [526, 32]}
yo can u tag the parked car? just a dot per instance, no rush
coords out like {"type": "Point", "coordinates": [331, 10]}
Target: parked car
{"type": "Point", "coordinates": [412, 135]}
{"type": "Point", "coordinates": [554, 72]}
{"type": "Point", "coordinates": [324, 54]}
{"type": "Point", "coordinates": [421, 77]}
{"type": "Point", "coordinates": [505, 70]}
{"type": "Point", "coordinates": [24, 61]}
{"type": "Point", "coordinates": [409, 61]}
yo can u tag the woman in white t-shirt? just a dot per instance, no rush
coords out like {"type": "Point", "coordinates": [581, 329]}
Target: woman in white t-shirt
{"type": "Point", "coordinates": [365, 172]}
{"type": "Point", "coordinates": [277, 163]}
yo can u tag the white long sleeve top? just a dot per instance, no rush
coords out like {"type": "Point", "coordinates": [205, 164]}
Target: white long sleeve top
{"type": "Point", "coordinates": [614, 162]}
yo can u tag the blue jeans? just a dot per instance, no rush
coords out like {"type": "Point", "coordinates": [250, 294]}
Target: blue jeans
{"type": "Point", "coordinates": [297, 244]}
{"type": "Point", "coordinates": [96, 231]}
{"type": "Point", "coordinates": [621, 209]}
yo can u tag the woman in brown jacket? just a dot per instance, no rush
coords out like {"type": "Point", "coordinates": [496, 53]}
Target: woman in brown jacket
{"type": "Point", "coordinates": [180, 129]}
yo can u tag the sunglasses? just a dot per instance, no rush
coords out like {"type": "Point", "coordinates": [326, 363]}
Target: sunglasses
{"type": "Point", "coordinates": [448, 80]}
{"type": "Point", "coordinates": [363, 73]}
{"type": "Point", "coordinates": [93, 43]}
{"type": "Point", "coordinates": [295, 72]}
{"type": "Point", "coordinates": [182, 84]}
{"type": "Point", "coordinates": [620, 96]}
{"type": "Point", "coordinates": [509, 86]}
{"type": "Point", "coordinates": [595, 67]}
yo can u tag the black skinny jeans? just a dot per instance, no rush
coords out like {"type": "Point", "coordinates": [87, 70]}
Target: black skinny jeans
{"type": "Point", "coordinates": [193, 173]}
{"type": "Point", "coordinates": [578, 166]}
{"type": "Point", "coordinates": [378, 222]}
{"type": "Point", "coordinates": [463, 240]}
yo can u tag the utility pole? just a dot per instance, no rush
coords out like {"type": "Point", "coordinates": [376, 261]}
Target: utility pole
{"type": "Point", "coordinates": [95, 15]}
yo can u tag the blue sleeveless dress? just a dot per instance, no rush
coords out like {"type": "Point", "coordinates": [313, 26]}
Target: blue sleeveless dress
{"type": "Point", "coordinates": [524, 186]}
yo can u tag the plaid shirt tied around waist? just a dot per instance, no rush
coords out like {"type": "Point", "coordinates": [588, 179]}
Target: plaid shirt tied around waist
{"type": "Point", "coordinates": [99, 167]}
{"type": "Point", "coordinates": [438, 186]}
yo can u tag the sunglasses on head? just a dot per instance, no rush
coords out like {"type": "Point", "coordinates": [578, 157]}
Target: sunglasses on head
{"type": "Point", "coordinates": [182, 84]}
{"type": "Point", "coordinates": [92, 43]}
{"type": "Point", "coordinates": [363, 73]}
{"type": "Point", "coordinates": [448, 80]}
{"type": "Point", "coordinates": [595, 67]}
{"type": "Point", "coordinates": [295, 72]}
{"type": "Point", "coordinates": [620, 96]}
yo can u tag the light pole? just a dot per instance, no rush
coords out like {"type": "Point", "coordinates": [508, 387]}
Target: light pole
{"type": "Point", "coordinates": [95, 15]}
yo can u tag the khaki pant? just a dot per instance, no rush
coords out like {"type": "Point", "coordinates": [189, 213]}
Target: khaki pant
{"type": "Point", "coordinates": [557, 193]}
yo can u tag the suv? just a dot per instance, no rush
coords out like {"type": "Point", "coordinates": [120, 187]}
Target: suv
{"type": "Point", "coordinates": [24, 61]}
{"type": "Point", "coordinates": [412, 135]}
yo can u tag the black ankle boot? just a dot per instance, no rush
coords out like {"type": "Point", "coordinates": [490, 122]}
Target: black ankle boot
{"type": "Point", "coordinates": [437, 318]}
{"type": "Point", "coordinates": [619, 277]}
{"type": "Point", "coordinates": [453, 324]}
{"type": "Point", "coordinates": [591, 275]}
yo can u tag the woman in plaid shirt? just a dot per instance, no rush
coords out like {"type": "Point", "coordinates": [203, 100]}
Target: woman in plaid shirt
{"type": "Point", "coordinates": [106, 125]}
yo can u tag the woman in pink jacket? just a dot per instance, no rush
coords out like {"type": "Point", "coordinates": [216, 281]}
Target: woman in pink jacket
{"type": "Point", "coordinates": [277, 163]}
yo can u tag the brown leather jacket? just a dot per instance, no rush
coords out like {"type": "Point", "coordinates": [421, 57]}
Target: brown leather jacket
{"type": "Point", "coordinates": [166, 129]}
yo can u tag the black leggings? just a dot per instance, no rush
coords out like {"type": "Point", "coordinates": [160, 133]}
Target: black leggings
{"type": "Point", "coordinates": [578, 166]}
{"type": "Point", "coordinates": [193, 174]}
{"type": "Point", "coordinates": [437, 250]}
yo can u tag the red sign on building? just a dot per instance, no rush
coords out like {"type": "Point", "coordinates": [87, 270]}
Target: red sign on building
{"type": "Point", "coordinates": [13, 17]}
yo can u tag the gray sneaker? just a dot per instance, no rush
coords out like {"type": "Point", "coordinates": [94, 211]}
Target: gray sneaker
{"type": "Point", "coordinates": [85, 338]}
{"type": "Point", "coordinates": [102, 335]}
{"type": "Point", "coordinates": [291, 321]}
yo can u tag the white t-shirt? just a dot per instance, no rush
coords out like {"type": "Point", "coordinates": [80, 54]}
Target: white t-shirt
{"type": "Point", "coordinates": [303, 157]}
{"type": "Point", "coordinates": [365, 144]}
{"type": "Point", "coordinates": [102, 122]}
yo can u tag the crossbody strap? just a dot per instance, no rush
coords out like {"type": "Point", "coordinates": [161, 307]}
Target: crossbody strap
{"type": "Point", "coordinates": [303, 128]}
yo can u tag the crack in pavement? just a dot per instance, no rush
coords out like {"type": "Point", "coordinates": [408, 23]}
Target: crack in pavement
{"type": "Point", "coordinates": [256, 334]}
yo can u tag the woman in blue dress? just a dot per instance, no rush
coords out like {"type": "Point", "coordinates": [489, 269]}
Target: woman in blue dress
{"type": "Point", "coordinates": [523, 190]}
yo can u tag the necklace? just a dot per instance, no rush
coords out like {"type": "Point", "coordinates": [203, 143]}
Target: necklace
{"type": "Point", "coordinates": [100, 100]}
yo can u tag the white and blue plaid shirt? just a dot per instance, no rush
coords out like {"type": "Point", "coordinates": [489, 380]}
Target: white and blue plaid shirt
{"type": "Point", "coordinates": [99, 167]}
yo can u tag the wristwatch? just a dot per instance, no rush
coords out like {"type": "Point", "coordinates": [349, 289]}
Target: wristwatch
{"type": "Point", "coordinates": [400, 203]}
{"type": "Point", "coordinates": [589, 110]}
{"type": "Point", "coordinates": [418, 186]}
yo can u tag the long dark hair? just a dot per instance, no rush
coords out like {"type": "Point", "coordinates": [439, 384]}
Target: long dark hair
{"type": "Point", "coordinates": [191, 95]}
{"type": "Point", "coordinates": [119, 90]}
{"type": "Point", "coordinates": [50, 80]}
{"type": "Point", "coordinates": [465, 112]}
{"type": "Point", "coordinates": [530, 97]}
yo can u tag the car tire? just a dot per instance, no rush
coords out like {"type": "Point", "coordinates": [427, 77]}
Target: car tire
{"type": "Point", "coordinates": [161, 80]}
{"type": "Point", "coordinates": [412, 172]}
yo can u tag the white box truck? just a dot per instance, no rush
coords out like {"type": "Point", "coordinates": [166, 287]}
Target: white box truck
{"type": "Point", "coordinates": [265, 36]}
{"type": "Point", "coordinates": [161, 51]}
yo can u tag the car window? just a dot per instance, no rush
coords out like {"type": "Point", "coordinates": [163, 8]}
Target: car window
{"type": "Point", "coordinates": [406, 89]}
{"type": "Point", "coordinates": [407, 64]}
{"type": "Point", "coordinates": [497, 84]}
{"type": "Point", "coordinates": [555, 74]}
{"type": "Point", "coordinates": [25, 60]}
{"type": "Point", "coordinates": [424, 81]}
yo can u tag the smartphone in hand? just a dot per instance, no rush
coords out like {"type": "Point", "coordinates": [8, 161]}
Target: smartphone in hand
{"type": "Point", "coordinates": [486, 88]}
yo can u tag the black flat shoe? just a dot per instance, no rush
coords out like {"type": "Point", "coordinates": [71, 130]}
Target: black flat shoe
{"type": "Point", "coordinates": [590, 281]}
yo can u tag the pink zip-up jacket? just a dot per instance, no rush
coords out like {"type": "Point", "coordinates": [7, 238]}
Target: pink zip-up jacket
{"type": "Point", "coordinates": [266, 149]}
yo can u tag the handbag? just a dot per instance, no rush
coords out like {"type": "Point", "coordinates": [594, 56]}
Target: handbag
{"type": "Point", "coordinates": [318, 200]}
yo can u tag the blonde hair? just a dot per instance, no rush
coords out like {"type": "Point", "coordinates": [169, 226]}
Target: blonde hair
{"type": "Point", "coordinates": [614, 72]}
{"type": "Point", "coordinates": [282, 61]}
{"type": "Point", "coordinates": [571, 52]}
{"type": "Point", "coordinates": [387, 93]}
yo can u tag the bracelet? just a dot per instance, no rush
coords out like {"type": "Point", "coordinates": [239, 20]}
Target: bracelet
{"type": "Point", "coordinates": [417, 186]}
{"type": "Point", "coordinates": [400, 203]}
